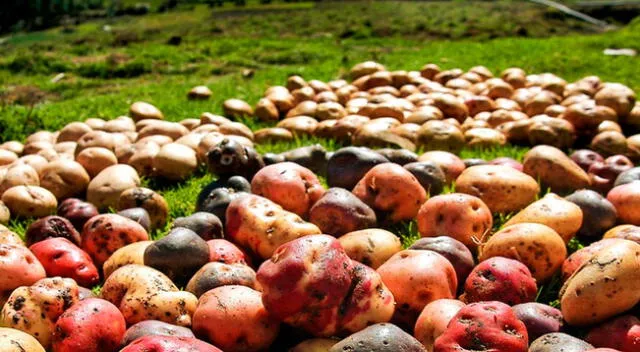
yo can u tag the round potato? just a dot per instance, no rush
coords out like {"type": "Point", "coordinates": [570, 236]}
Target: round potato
{"type": "Point", "coordinates": [598, 214]}
{"type": "Point", "coordinates": [141, 111]}
{"type": "Point", "coordinates": [29, 201]}
{"type": "Point", "coordinates": [626, 200]}
{"type": "Point", "coordinates": [64, 178]}
{"type": "Point", "coordinates": [434, 319]}
{"type": "Point", "coordinates": [213, 275]}
{"type": "Point", "coordinates": [132, 253]}
{"type": "Point", "coordinates": [19, 267]}
{"type": "Point", "coordinates": [105, 189]}
{"type": "Point", "coordinates": [96, 159]}
{"type": "Point", "coordinates": [178, 255]}
{"type": "Point", "coordinates": [104, 234]}
{"type": "Point", "coordinates": [371, 247]}
{"type": "Point", "coordinates": [339, 212]}
{"type": "Point", "coordinates": [19, 175]}
{"type": "Point", "coordinates": [152, 202]}
{"type": "Point", "coordinates": [13, 340]}
{"type": "Point", "coordinates": [175, 161]}
{"type": "Point", "coordinates": [455, 251]}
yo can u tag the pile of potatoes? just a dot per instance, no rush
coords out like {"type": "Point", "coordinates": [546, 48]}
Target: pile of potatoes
{"type": "Point", "coordinates": [274, 258]}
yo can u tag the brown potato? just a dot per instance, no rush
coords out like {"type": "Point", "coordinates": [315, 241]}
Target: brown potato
{"type": "Point", "coordinates": [299, 125]}
{"type": "Point", "coordinates": [152, 202]}
{"type": "Point", "coordinates": [484, 137]}
{"type": "Point", "coordinates": [175, 161]}
{"type": "Point", "coordinates": [559, 214]}
{"type": "Point", "coordinates": [30, 201]}
{"type": "Point", "coordinates": [142, 158]}
{"type": "Point", "coordinates": [72, 132]}
{"type": "Point", "coordinates": [556, 132]}
{"type": "Point", "coordinates": [64, 178]}
{"type": "Point", "coordinates": [234, 108]}
{"type": "Point", "coordinates": [96, 159]}
{"type": "Point", "coordinates": [616, 96]}
{"type": "Point", "coordinates": [554, 169]}
{"type": "Point", "coordinates": [537, 246]}
{"type": "Point", "coordinates": [96, 139]}
{"type": "Point", "coordinates": [439, 135]}
{"type": "Point", "coordinates": [132, 253]}
{"type": "Point", "coordinates": [199, 93]}
{"type": "Point", "coordinates": [627, 232]}
{"type": "Point", "coordinates": [14, 340]}
{"type": "Point", "coordinates": [172, 130]}
{"type": "Point", "coordinates": [105, 189]}
{"type": "Point", "coordinates": [215, 274]}
{"type": "Point", "coordinates": [7, 157]}
{"type": "Point", "coordinates": [18, 175]}
{"type": "Point", "coordinates": [371, 247]}
{"type": "Point", "coordinates": [502, 188]}
{"type": "Point", "coordinates": [271, 135]}
{"type": "Point", "coordinates": [5, 214]}
{"type": "Point", "coordinates": [141, 111]}
{"type": "Point", "coordinates": [609, 143]}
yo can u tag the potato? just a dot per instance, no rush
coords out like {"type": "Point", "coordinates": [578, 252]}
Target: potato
{"type": "Point", "coordinates": [585, 116]}
{"type": "Point", "coordinates": [89, 325]}
{"type": "Point", "coordinates": [434, 319]}
{"type": "Point", "coordinates": [234, 318]}
{"type": "Point", "coordinates": [348, 165]}
{"type": "Point", "coordinates": [500, 279]}
{"type": "Point", "coordinates": [77, 212]}
{"type": "Point", "coordinates": [50, 227]}
{"type": "Point", "coordinates": [585, 158]}
{"type": "Point", "coordinates": [455, 251]}
{"type": "Point", "coordinates": [29, 201]}
{"type": "Point", "coordinates": [96, 139]}
{"type": "Point", "coordinates": [558, 341]}
{"type": "Point", "coordinates": [261, 225]}
{"type": "Point", "coordinates": [147, 199]}
{"type": "Point", "coordinates": [440, 135]}
{"type": "Point", "coordinates": [206, 225]}
{"type": "Point", "coordinates": [5, 214]}
{"type": "Point", "coordinates": [105, 189]}
{"type": "Point", "coordinates": [96, 159]}
{"type": "Point", "coordinates": [141, 111]}
{"type": "Point", "coordinates": [13, 340]}
{"type": "Point", "coordinates": [429, 175]}
{"type": "Point", "coordinates": [598, 213]}
{"type": "Point", "coordinates": [7, 157]}
{"type": "Point", "coordinates": [537, 246]}
{"type": "Point", "coordinates": [17, 175]}
{"type": "Point", "coordinates": [451, 165]}
{"type": "Point", "coordinates": [102, 235]}
{"type": "Point", "coordinates": [391, 190]}
{"type": "Point", "coordinates": [628, 176]}
{"type": "Point", "coordinates": [60, 257]}
{"type": "Point", "coordinates": [398, 156]}
{"type": "Point", "coordinates": [371, 247]}
{"type": "Point", "coordinates": [138, 215]}
{"type": "Point", "coordinates": [199, 93]}
{"type": "Point", "coordinates": [64, 178]}
{"type": "Point", "coordinates": [223, 251]}
{"type": "Point", "coordinates": [175, 161]}
{"type": "Point", "coordinates": [169, 344]}
{"type": "Point", "coordinates": [230, 158]}
{"type": "Point", "coordinates": [142, 158]}
{"type": "Point", "coordinates": [416, 278]}
{"type": "Point", "coordinates": [559, 214]}
{"type": "Point", "coordinates": [502, 188]}
{"type": "Point", "coordinates": [313, 157]}
{"type": "Point", "coordinates": [464, 217]}
{"type": "Point", "coordinates": [290, 185]}
{"type": "Point", "coordinates": [10, 237]}
{"type": "Point", "coordinates": [154, 328]}
{"type": "Point", "coordinates": [625, 199]}
{"type": "Point", "coordinates": [266, 110]}
{"type": "Point", "coordinates": [339, 212]}
{"type": "Point", "coordinates": [132, 253]}
{"type": "Point", "coordinates": [582, 255]}
{"type": "Point", "coordinates": [178, 255]}
{"type": "Point", "coordinates": [616, 96]}
{"type": "Point", "coordinates": [213, 275]}
{"type": "Point", "coordinates": [539, 318]}
{"type": "Point", "coordinates": [606, 285]}
{"type": "Point", "coordinates": [215, 197]}
{"type": "Point", "coordinates": [35, 309]}
{"type": "Point", "coordinates": [554, 169]}
{"type": "Point", "coordinates": [19, 267]}
{"type": "Point", "coordinates": [627, 232]}
{"type": "Point", "coordinates": [143, 293]}
{"type": "Point", "coordinates": [314, 345]}
{"type": "Point", "coordinates": [271, 135]}
{"type": "Point", "coordinates": [621, 333]}
{"type": "Point", "coordinates": [382, 337]}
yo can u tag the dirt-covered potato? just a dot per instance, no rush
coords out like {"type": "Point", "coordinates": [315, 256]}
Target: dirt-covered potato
{"type": "Point", "coordinates": [96, 159]}
{"type": "Point", "coordinates": [382, 337]}
{"type": "Point", "coordinates": [554, 169]}
{"type": "Point", "coordinates": [50, 227]}
{"type": "Point", "coordinates": [539, 318]}
{"type": "Point", "coordinates": [77, 212]}
{"type": "Point", "coordinates": [582, 255]}
{"type": "Point", "coordinates": [104, 190]}
{"type": "Point", "coordinates": [154, 328]}
{"type": "Point", "coordinates": [416, 278]}
{"type": "Point", "coordinates": [130, 254]}
{"type": "Point", "coordinates": [29, 201]}
{"type": "Point", "coordinates": [626, 200]}
{"type": "Point", "coordinates": [598, 214]}
{"type": "Point", "coordinates": [60, 257]}
{"type": "Point", "coordinates": [500, 279]}
{"type": "Point", "coordinates": [64, 178]}
{"type": "Point", "coordinates": [503, 189]}
{"type": "Point", "coordinates": [230, 158]}
{"type": "Point", "coordinates": [234, 318]}
{"type": "Point", "coordinates": [371, 247]}
{"type": "Point", "coordinates": [537, 246]}
{"type": "Point", "coordinates": [19, 267]}
{"type": "Point", "coordinates": [338, 212]}
{"type": "Point", "coordinates": [290, 185]}
{"type": "Point", "coordinates": [559, 214]}
{"type": "Point", "coordinates": [392, 191]}
{"type": "Point", "coordinates": [260, 225]}
{"type": "Point", "coordinates": [35, 309]}
{"type": "Point", "coordinates": [215, 274]}
{"type": "Point", "coordinates": [90, 325]}
{"type": "Point", "coordinates": [17, 175]}
{"type": "Point", "coordinates": [348, 165]}
{"type": "Point", "coordinates": [434, 319]}
{"type": "Point", "coordinates": [559, 341]}
{"type": "Point", "coordinates": [606, 285]}
{"type": "Point", "coordinates": [223, 251]}
{"type": "Point", "coordinates": [151, 201]}
{"type": "Point", "coordinates": [9, 237]}
{"type": "Point", "coordinates": [14, 340]}
{"type": "Point", "coordinates": [139, 215]}
{"type": "Point", "coordinates": [143, 293]}
{"type": "Point", "coordinates": [178, 255]}
{"type": "Point", "coordinates": [464, 217]}
{"type": "Point", "coordinates": [206, 225]}
{"type": "Point", "coordinates": [104, 234]}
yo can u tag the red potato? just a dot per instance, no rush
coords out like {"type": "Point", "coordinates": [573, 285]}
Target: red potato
{"type": "Point", "coordinates": [102, 235]}
{"type": "Point", "coordinates": [621, 333]}
{"type": "Point", "coordinates": [169, 344]}
{"type": "Point", "coordinates": [290, 185]}
{"type": "Point", "coordinates": [455, 251]}
{"type": "Point", "coordinates": [434, 319]}
{"type": "Point", "coordinates": [153, 328]}
{"type": "Point", "coordinates": [461, 216]}
{"type": "Point", "coordinates": [235, 319]}
{"type": "Point", "coordinates": [390, 188]}
{"type": "Point", "coordinates": [500, 279]}
{"type": "Point", "coordinates": [89, 325]}
{"type": "Point", "coordinates": [416, 278]}
{"type": "Point", "coordinates": [485, 326]}
{"type": "Point", "coordinates": [60, 257]}
{"type": "Point", "coordinates": [77, 212]}
{"type": "Point", "coordinates": [448, 162]}
{"type": "Point", "coordinates": [223, 251]}
{"type": "Point", "coordinates": [18, 267]}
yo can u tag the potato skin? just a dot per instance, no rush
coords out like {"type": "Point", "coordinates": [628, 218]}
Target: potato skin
{"type": "Point", "coordinates": [288, 184]}
{"type": "Point", "coordinates": [606, 285]}
{"type": "Point", "coordinates": [579, 257]}
{"type": "Point", "coordinates": [154, 328]}
{"type": "Point", "coordinates": [539, 318]}
{"type": "Point", "coordinates": [89, 325]}
{"type": "Point", "coordinates": [13, 340]}
{"type": "Point", "coordinates": [621, 333]}
{"type": "Point", "coordinates": [463, 217]}
{"type": "Point", "coordinates": [381, 337]}
{"type": "Point", "coordinates": [261, 225]}
{"type": "Point", "coordinates": [102, 235]}
{"type": "Point", "coordinates": [132, 253]}
{"type": "Point", "coordinates": [29, 201]}
{"type": "Point", "coordinates": [223, 251]}
{"type": "Point", "coordinates": [626, 200]}
{"type": "Point", "coordinates": [35, 309]}
{"type": "Point", "coordinates": [234, 318]}
{"type": "Point", "coordinates": [206, 225]}
{"type": "Point", "coordinates": [348, 165]}
{"type": "Point", "coordinates": [77, 212]}
{"type": "Point", "coordinates": [392, 190]}
{"type": "Point", "coordinates": [143, 293]}
{"type": "Point", "coordinates": [598, 214]}
{"type": "Point", "coordinates": [314, 345]}
{"type": "Point", "coordinates": [500, 279]}
{"type": "Point", "coordinates": [149, 200]}
{"type": "Point", "coordinates": [104, 190]}
{"type": "Point", "coordinates": [339, 212]}
{"type": "Point", "coordinates": [434, 319]}
{"type": "Point", "coordinates": [60, 257]}
{"type": "Point", "coordinates": [169, 344]}
{"type": "Point", "coordinates": [558, 341]}
{"type": "Point", "coordinates": [371, 247]}
{"type": "Point", "coordinates": [213, 275]}
{"type": "Point", "coordinates": [51, 227]}
{"type": "Point", "coordinates": [455, 251]}
{"type": "Point", "coordinates": [554, 169]}
{"type": "Point", "coordinates": [19, 267]}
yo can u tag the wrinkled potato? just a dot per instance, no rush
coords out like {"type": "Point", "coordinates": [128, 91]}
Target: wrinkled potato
{"type": "Point", "coordinates": [391, 190]}
{"type": "Point", "coordinates": [30, 201]}
{"type": "Point", "coordinates": [14, 340]}
{"type": "Point", "coordinates": [130, 254]}
{"type": "Point", "coordinates": [537, 246]}
{"type": "Point", "coordinates": [143, 293]}
{"type": "Point", "coordinates": [105, 189]}
{"type": "Point", "coordinates": [461, 216]}
{"type": "Point", "coordinates": [559, 214]}
{"type": "Point", "coordinates": [35, 309]}
{"type": "Point", "coordinates": [434, 319]}
{"type": "Point", "coordinates": [258, 224]}
{"type": "Point", "coordinates": [503, 189]}
{"type": "Point", "coordinates": [96, 159]}
{"type": "Point", "coordinates": [371, 247]}
{"type": "Point", "coordinates": [554, 169]}
{"type": "Point", "coordinates": [50, 227]}
{"type": "Point", "coordinates": [339, 212]}
{"type": "Point", "coordinates": [64, 178]}
{"type": "Point", "coordinates": [149, 200]}
{"type": "Point", "coordinates": [606, 285]}
{"type": "Point", "coordinates": [19, 267]}
{"type": "Point", "coordinates": [103, 234]}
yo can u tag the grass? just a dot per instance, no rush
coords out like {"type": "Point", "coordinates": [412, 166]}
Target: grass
{"type": "Point", "coordinates": [108, 65]}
